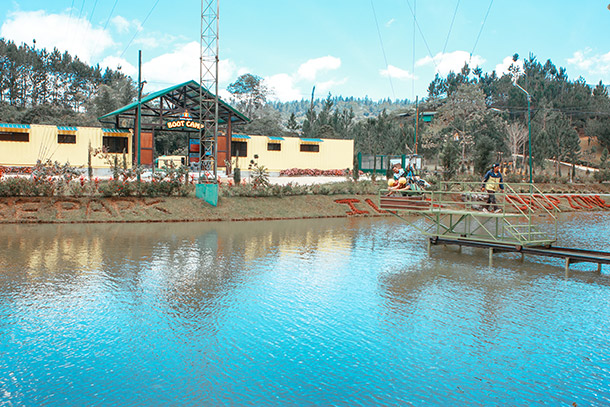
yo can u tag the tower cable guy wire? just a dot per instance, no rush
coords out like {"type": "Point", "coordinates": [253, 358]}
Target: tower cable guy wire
{"type": "Point", "coordinates": [481, 30]}
{"type": "Point", "coordinates": [387, 67]}
{"type": "Point", "coordinates": [139, 29]}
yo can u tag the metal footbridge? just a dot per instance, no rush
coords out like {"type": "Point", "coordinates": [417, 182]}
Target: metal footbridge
{"type": "Point", "coordinates": [458, 214]}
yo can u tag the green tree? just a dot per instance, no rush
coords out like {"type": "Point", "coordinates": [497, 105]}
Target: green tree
{"type": "Point", "coordinates": [251, 93]}
{"type": "Point", "coordinates": [292, 124]}
{"type": "Point", "coordinates": [450, 159]}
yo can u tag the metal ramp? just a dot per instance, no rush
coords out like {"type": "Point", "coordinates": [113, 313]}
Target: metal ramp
{"type": "Point", "coordinates": [457, 214]}
{"type": "Point", "coordinates": [459, 211]}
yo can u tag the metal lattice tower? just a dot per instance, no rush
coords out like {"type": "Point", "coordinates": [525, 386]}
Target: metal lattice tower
{"type": "Point", "coordinates": [208, 91]}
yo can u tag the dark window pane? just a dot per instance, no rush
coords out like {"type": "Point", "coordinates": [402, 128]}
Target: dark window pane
{"type": "Point", "coordinates": [115, 144]}
{"type": "Point", "coordinates": [239, 149]}
{"type": "Point", "coordinates": [312, 148]}
{"type": "Point", "coordinates": [274, 147]}
{"type": "Point", "coordinates": [66, 138]}
{"type": "Point", "coordinates": [10, 136]}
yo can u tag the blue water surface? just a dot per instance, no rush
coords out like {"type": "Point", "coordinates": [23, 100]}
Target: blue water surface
{"type": "Point", "coordinates": [324, 312]}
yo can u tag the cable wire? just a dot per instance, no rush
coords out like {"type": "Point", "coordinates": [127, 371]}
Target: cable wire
{"type": "Point", "coordinates": [81, 9]}
{"type": "Point", "coordinates": [138, 31]}
{"type": "Point", "coordinates": [383, 50]}
{"type": "Point", "coordinates": [422, 35]}
{"type": "Point", "coordinates": [110, 15]}
{"type": "Point", "coordinates": [481, 30]}
{"type": "Point", "coordinates": [451, 25]}
{"type": "Point", "coordinates": [93, 11]}
{"type": "Point", "coordinates": [413, 63]}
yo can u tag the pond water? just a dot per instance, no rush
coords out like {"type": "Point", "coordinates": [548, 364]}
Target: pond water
{"type": "Point", "coordinates": [324, 312]}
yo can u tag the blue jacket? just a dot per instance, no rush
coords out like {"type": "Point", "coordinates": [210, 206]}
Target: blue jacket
{"type": "Point", "coordinates": [493, 180]}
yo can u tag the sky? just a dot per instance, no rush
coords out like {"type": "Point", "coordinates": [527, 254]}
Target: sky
{"type": "Point", "coordinates": [362, 48]}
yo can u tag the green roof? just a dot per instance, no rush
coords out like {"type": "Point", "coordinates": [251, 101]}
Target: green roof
{"type": "Point", "coordinates": [192, 92]}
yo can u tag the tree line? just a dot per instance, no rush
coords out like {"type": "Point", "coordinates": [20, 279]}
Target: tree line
{"type": "Point", "coordinates": [50, 87]}
{"type": "Point", "coordinates": [479, 118]}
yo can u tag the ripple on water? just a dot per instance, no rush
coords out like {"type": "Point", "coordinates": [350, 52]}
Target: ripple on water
{"type": "Point", "coordinates": [298, 312]}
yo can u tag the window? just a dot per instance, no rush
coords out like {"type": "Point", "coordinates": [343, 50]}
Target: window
{"type": "Point", "coordinates": [115, 144]}
{"type": "Point", "coordinates": [312, 148]}
{"type": "Point", "coordinates": [66, 138]}
{"type": "Point", "coordinates": [239, 149]}
{"type": "Point", "coordinates": [274, 147]}
{"type": "Point", "coordinates": [11, 136]}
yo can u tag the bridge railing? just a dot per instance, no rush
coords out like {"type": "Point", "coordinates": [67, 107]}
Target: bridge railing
{"type": "Point", "coordinates": [516, 205]}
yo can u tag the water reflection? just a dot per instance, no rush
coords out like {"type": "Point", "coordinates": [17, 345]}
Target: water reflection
{"type": "Point", "coordinates": [340, 311]}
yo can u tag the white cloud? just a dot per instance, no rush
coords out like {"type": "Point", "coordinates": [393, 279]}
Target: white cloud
{"type": "Point", "coordinates": [147, 42]}
{"type": "Point", "coordinates": [395, 72]}
{"type": "Point", "coordinates": [451, 61]}
{"type": "Point", "coordinates": [283, 87]}
{"type": "Point", "coordinates": [323, 87]}
{"type": "Point", "coordinates": [120, 24]}
{"type": "Point", "coordinates": [75, 35]}
{"type": "Point", "coordinates": [502, 68]}
{"type": "Point", "coordinates": [309, 70]}
{"type": "Point", "coordinates": [114, 63]}
{"type": "Point", "coordinates": [389, 23]}
{"type": "Point", "coordinates": [598, 64]}
{"type": "Point", "coordinates": [180, 66]}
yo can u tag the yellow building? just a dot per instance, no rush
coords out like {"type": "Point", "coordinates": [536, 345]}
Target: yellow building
{"type": "Point", "coordinates": [21, 145]}
{"type": "Point", "coordinates": [280, 153]}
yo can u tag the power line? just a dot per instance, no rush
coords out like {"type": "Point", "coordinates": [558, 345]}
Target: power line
{"type": "Point", "coordinates": [71, 7]}
{"type": "Point", "coordinates": [110, 15]}
{"type": "Point", "coordinates": [451, 25]}
{"type": "Point", "coordinates": [383, 50]}
{"type": "Point", "coordinates": [93, 11]}
{"type": "Point", "coordinates": [481, 30]}
{"type": "Point", "coordinates": [137, 31]}
{"type": "Point", "coordinates": [81, 9]}
{"type": "Point", "coordinates": [413, 57]}
{"type": "Point", "coordinates": [107, 21]}
{"type": "Point", "coordinates": [568, 110]}
{"type": "Point", "coordinates": [422, 35]}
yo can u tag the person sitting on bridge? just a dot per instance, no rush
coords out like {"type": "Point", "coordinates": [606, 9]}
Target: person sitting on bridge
{"type": "Point", "coordinates": [398, 180]}
{"type": "Point", "coordinates": [491, 182]}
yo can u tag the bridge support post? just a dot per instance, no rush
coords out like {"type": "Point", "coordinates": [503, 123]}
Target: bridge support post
{"type": "Point", "coordinates": [491, 257]}
{"type": "Point", "coordinates": [599, 267]}
{"type": "Point", "coordinates": [567, 264]}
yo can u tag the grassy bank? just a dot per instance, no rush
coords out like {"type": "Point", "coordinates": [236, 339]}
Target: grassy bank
{"type": "Point", "coordinates": [175, 209]}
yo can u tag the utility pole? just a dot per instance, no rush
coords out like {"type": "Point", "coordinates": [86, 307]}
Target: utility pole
{"type": "Point", "coordinates": [529, 125]}
{"type": "Point", "coordinates": [416, 123]}
{"type": "Point", "coordinates": [139, 161]}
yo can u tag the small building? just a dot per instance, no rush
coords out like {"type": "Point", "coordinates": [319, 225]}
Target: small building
{"type": "Point", "coordinates": [170, 161]}
{"type": "Point", "coordinates": [281, 153]}
{"type": "Point", "coordinates": [22, 145]}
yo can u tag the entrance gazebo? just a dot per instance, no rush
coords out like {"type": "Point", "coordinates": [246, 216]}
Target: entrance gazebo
{"type": "Point", "coordinates": [175, 109]}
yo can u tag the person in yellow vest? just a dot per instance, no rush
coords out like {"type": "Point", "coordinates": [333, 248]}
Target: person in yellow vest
{"type": "Point", "coordinates": [492, 182]}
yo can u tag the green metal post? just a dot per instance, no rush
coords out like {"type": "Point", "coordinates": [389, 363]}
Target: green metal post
{"type": "Point", "coordinates": [529, 124]}
{"type": "Point", "coordinates": [416, 123]}
{"type": "Point", "coordinates": [139, 109]}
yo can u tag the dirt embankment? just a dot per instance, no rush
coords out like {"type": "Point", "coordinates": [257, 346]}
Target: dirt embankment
{"type": "Point", "coordinates": [172, 209]}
